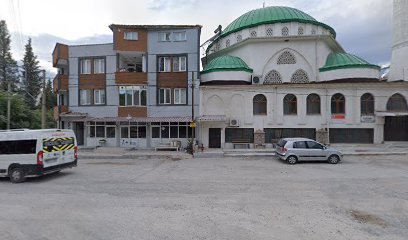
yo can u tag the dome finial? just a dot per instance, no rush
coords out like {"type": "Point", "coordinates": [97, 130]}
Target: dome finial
{"type": "Point", "coordinates": [263, 4]}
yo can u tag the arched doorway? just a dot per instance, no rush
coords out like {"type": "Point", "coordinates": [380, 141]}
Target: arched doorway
{"type": "Point", "coordinates": [396, 127]}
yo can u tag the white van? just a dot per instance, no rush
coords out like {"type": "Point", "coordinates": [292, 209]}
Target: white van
{"type": "Point", "coordinates": [28, 153]}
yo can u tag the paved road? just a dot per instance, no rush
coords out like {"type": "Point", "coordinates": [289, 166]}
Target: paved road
{"type": "Point", "coordinates": [230, 198]}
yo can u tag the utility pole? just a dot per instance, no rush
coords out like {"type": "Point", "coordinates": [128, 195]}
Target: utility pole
{"type": "Point", "coordinates": [43, 104]}
{"type": "Point", "coordinates": [8, 104]}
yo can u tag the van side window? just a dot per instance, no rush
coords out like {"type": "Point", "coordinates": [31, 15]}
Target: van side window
{"type": "Point", "coordinates": [18, 147]}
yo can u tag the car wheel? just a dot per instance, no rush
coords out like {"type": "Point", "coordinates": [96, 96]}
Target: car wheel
{"type": "Point", "coordinates": [334, 159]}
{"type": "Point", "coordinates": [17, 175]}
{"type": "Point", "coordinates": [292, 160]}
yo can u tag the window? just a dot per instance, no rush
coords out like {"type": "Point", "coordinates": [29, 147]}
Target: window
{"type": "Point", "coordinates": [313, 31]}
{"type": "Point", "coordinates": [164, 64]}
{"type": "Point", "coordinates": [259, 104]}
{"type": "Point", "coordinates": [299, 76]}
{"type": "Point", "coordinates": [132, 96]}
{"type": "Point", "coordinates": [102, 129]}
{"type": "Point", "coordinates": [300, 144]}
{"type": "Point", "coordinates": [286, 58]}
{"type": "Point", "coordinates": [180, 36]}
{"type": "Point", "coordinates": [171, 130]}
{"type": "Point", "coordinates": [253, 34]}
{"type": "Point", "coordinates": [85, 97]}
{"type": "Point", "coordinates": [239, 38]}
{"type": "Point", "coordinates": [180, 96]}
{"type": "Point", "coordinates": [290, 105]}
{"type": "Point", "coordinates": [99, 65]}
{"type": "Point", "coordinates": [338, 104]}
{"type": "Point", "coordinates": [164, 95]}
{"type": "Point", "coordinates": [273, 77]}
{"type": "Point", "coordinates": [233, 134]}
{"type": "Point", "coordinates": [110, 132]}
{"type": "Point", "coordinates": [313, 104]}
{"type": "Point", "coordinates": [285, 31]}
{"type": "Point", "coordinates": [367, 104]}
{"type": "Point", "coordinates": [131, 36]}
{"type": "Point", "coordinates": [99, 96]}
{"type": "Point", "coordinates": [164, 36]}
{"type": "Point", "coordinates": [18, 147]}
{"type": "Point", "coordinates": [300, 31]}
{"type": "Point", "coordinates": [314, 145]}
{"type": "Point", "coordinates": [269, 32]}
{"type": "Point", "coordinates": [179, 64]}
{"type": "Point", "coordinates": [85, 66]}
{"type": "Point", "coordinates": [397, 103]}
{"type": "Point", "coordinates": [227, 43]}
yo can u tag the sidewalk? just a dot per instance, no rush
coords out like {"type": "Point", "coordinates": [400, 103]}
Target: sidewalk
{"type": "Point", "coordinates": [389, 148]}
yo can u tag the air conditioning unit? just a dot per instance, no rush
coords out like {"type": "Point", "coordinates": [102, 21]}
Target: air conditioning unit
{"type": "Point", "coordinates": [234, 123]}
{"type": "Point", "coordinates": [256, 79]}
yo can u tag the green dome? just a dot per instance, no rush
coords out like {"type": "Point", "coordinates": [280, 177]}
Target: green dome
{"type": "Point", "coordinates": [345, 60]}
{"type": "Point", "coordinates": [226, 63]}
{"type": "Point", "coordinates": [270, 15]}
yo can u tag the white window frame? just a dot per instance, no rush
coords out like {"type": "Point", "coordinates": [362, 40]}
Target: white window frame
{"type": "Point", "coordinates": [99, 96]}
{"type": "Point", "coordinates": [164, 36]}
{"type": "Point", "coordinates": [177, 67]}
{"type": "Point", "coordinates": [131, 36]}
{"type": "Point", "coordinates": [133, 89]}
{"type": "Point", "coordinates": [86, 67]}
{"type": "Point", "coordinates": [166, 96]}
{"type": "Point", "coordinates": [99, 65]}
{"type": "Point", "coordinates": [166, 64]}
{"type": "Point", "coordinates": [178, 96]}
{"type": "Point", "coordinates": [85, 97]}
{"type": "Point", "coordinates": [180, 36]}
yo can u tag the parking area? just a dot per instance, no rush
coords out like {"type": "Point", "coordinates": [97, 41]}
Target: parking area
{"type": "Point", "coordinates": [363, 197]}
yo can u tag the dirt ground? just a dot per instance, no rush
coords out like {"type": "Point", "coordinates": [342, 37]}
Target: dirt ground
{"type": "Point", "coordinates": [227, 198]}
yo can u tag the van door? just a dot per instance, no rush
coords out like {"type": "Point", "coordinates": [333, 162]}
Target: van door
{"type": "Point", "coordinates": [58, 151]}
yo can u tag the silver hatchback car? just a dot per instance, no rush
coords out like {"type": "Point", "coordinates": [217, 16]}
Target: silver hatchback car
{"type": "Point", "coordinates": [293, 150]}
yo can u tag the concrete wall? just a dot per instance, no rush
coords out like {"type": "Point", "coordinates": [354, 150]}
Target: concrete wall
{"type": "Point", "coordinates": [236, 103]}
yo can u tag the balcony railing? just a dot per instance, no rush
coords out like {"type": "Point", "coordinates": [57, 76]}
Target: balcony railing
{"type": "Point", "coordinates": [131, 77]}
{"type": "Point", "coordinates": [60, 55]}
{"type": "Point", "coordinates": [60, 82]}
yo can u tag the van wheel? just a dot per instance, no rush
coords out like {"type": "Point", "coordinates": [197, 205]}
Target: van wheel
{"type": "Point", "coordinates": [292, 160]}
{"type": "Point", "coordinates": [334, 159]}
{"type": "Point", "coordinates": [17, 175]}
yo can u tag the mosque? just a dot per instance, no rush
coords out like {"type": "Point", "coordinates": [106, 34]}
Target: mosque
{"type": "Point", "coordinates": [278, 72]}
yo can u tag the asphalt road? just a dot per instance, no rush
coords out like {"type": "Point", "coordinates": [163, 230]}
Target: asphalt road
{"type": "Point", "coordinates": [229, 198]}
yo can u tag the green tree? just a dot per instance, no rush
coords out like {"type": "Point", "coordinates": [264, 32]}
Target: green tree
{"type": "Point", "coordinates": [8, 66]}
{"type": "Point", "coordinates": [32, 77]}
{"type": "Point", "coordinates": [50, 96]}
{"type": "Point", "coordinates": [21, 115]}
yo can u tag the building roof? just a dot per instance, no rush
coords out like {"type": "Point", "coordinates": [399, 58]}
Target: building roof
{"type": "Point", "coordinates": [270, 15]}
{"type": "Point", "coordinates": [345, 60]}
{"type": "Point", "coordinates": [226, 63]}
{"type": "Point", "coordinates": [112, 26]}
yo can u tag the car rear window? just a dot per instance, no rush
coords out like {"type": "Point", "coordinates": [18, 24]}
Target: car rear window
{"type": "Point", "coordinates": [282, 143]}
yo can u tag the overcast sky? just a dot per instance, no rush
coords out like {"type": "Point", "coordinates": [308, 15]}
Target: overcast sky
{"type": "Point", "coordinates": [363, 27]}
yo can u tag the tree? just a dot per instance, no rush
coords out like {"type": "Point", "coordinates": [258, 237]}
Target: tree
{"type": "Point", "coordinates": [50, 95]}
{"type": "Point", "coordinates": [32, 76]}
{"type": "Point", "coordinates": [8, 66]}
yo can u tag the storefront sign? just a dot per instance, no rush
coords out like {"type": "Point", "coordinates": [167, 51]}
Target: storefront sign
{"type": "Point", "coordinates": [368, 119]}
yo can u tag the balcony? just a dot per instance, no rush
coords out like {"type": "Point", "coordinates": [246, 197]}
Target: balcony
{"type": "Point", "coordinates": [60, 82]}
{"type": "Point", "coordinates": [60, 55]}
{"type": "Point", "coordinates": [131, 78]}
{"type": "Point", "coordinates": [58, 110]}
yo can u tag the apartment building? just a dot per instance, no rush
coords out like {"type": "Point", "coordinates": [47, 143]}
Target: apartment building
{"type": "Point", "coordinates": [134, 92]}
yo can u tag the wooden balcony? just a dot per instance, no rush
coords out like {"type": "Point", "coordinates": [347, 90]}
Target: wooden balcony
{"type": "Point", "coordinates": [58, 110]}
{"type": "Point", "coordinates": [131, 78]}
{"type": "Point", "coordinates": [60, 82]}
{"type": "Point", "coordinates": [60, 55]}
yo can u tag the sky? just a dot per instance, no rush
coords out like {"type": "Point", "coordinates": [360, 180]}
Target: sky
{"type": "Point", "coordinates": [363, 27]}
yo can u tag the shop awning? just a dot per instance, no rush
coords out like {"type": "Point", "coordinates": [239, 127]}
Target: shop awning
{"type": "Point", "coordinates": [73, 115]}
{"type": "Point", "coordinates": [390, 113]}
{"type": "Point", "coordinates": [212, 118]}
